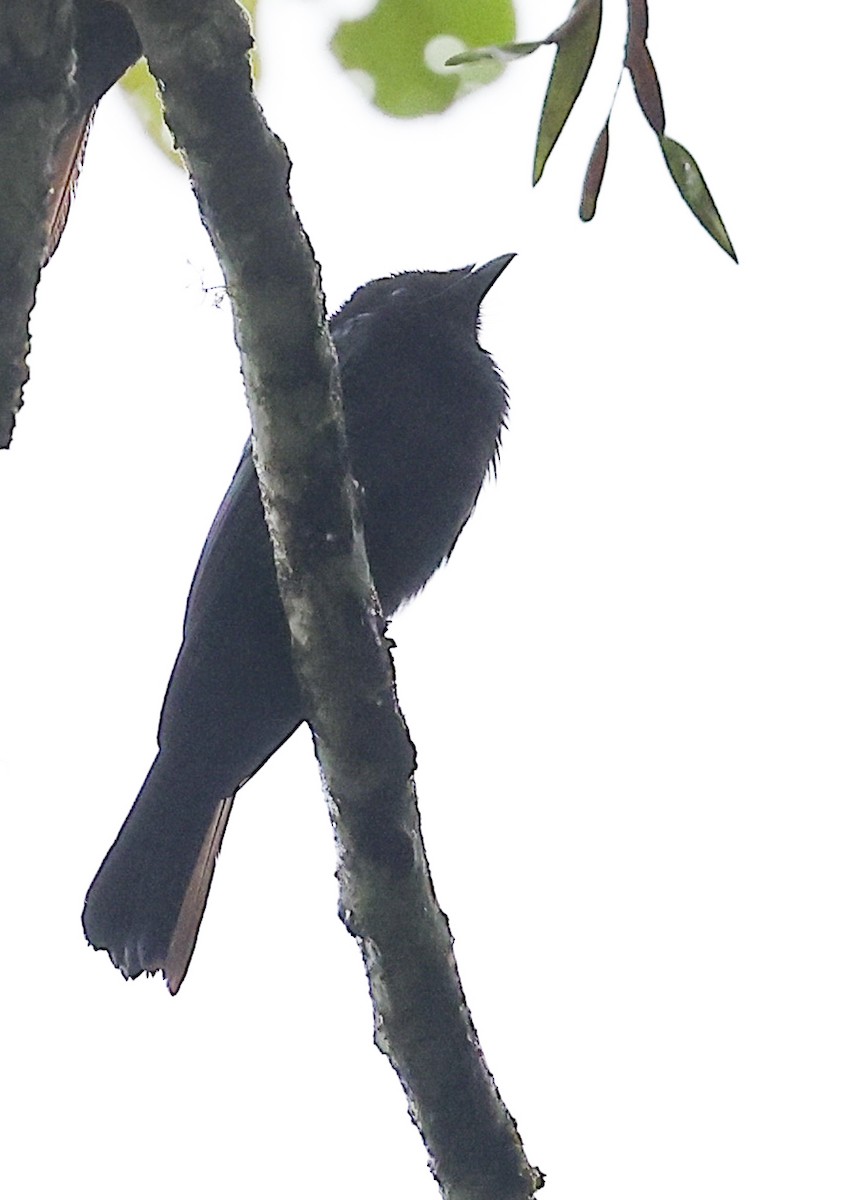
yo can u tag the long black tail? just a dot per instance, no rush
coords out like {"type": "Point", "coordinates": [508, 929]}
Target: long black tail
{"type": "Point", "coordinates": [148, 897]}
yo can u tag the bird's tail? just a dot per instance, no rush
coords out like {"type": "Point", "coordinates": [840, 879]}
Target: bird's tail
{"type": "Point", "coordinates": [147, 900]}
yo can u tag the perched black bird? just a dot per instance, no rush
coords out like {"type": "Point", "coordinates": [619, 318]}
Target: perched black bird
{"type": "Point", "coordinates": [425, 408]}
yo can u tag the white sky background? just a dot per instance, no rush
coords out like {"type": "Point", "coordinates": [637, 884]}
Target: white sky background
{"type": "Point", "coordinates": [626, 689]}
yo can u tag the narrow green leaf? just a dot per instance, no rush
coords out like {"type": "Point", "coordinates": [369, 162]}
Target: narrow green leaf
{"type": "Point", "coordinates": [690, 183]}
{"type": "Point", "coordinates": [595, 174]}
{"type": "Point", "coordinates": [506, 53]}
{"type": "Point", "coordinates": [576, 43]}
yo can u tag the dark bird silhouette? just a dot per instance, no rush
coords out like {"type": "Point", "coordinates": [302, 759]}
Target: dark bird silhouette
{"type": "Point", "coordinates": [425, 407]}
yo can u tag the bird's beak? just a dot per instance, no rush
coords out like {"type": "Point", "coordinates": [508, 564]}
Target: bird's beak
{"type": "Point", "coordinates": [486, 276]}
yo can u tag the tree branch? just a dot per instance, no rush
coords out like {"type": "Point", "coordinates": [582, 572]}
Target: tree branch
{"type": "Point", "coordinates": [239, 172]}
{"type": "Point", "coordinates": [36, 99]}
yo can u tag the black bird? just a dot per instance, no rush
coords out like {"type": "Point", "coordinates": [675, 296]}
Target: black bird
{"type": "Point", "coordinates": [425, 407]}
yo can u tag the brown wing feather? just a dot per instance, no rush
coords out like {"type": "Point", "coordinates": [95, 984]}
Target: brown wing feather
{"type": "Point", "coordinates": [181, 948]}
{"type": "Point", "coordinates": [67, 163]}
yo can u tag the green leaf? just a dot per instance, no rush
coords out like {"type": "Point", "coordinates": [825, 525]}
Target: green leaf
{"type": "Point", "coordinates": [400, 50]}
{"type": "Point", "coordinates": [506, 53]}
{"type": "Point", "coordinates": [691, 185]}
{"type": "Point", "coordinates": [140, 89]}
{"type": "Point", "coordinates": [576, 42]}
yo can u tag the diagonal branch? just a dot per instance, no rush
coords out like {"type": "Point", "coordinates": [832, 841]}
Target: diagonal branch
{"type": "Point", "coordinates": [36, 65]}
{"type": "Point", "coordinates": [239, 172]}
